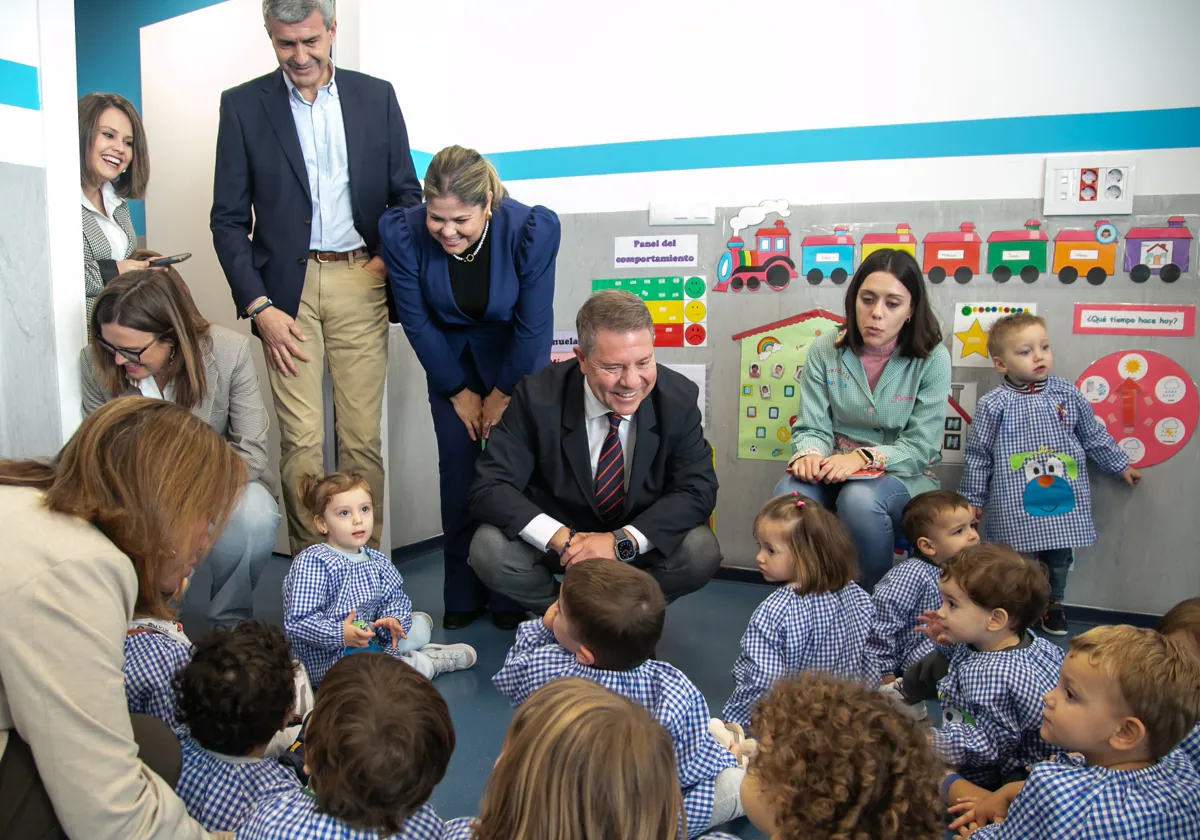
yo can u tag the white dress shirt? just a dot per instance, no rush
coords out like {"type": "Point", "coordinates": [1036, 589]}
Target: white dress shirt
{"type": "Point", "coordinates": [323, 141]}
{"type": "Point", "coordinates": [541, 528]}
{"type": "Point", "coordinates": [117, 240]}
{"type": "Point", "coordinates": [149, 388]}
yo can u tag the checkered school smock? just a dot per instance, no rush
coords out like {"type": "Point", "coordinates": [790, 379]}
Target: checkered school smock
{"type": "Point", "coordinates": [536, 658]}
{"type": "Point", "coordinates": [1066, 798]}
{"type": "Point", "coordinates": [154, 650]}
{"type": "Point", "coordinates": [1026, 460]}
{"type": "Point", "coordinates": [904, 594]}
{"type": "Point", "coordinates": [460, 829]}
{"type": "Point", "coordinates": [221, 791]}
{"type": "Point", "coordinates": [1190, 747]}
{"type": "Point", "coordinates": [790, 633]}
{"type": "Point", "coordinates": [321, 588]}
{"type": "Point", "coordinates": [294, 816]}
{"type": "Point", "coordinates": [992, 707]}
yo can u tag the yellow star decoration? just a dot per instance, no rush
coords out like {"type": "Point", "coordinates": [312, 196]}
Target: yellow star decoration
{"type": "Point", "coordinates": [974, 340]}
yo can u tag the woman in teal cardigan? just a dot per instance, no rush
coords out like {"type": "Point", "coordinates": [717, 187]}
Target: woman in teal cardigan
{"type": "Point", "coordinates": [873, 396]}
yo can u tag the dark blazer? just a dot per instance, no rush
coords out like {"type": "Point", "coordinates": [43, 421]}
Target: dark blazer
{"type": "Point", "coordinates": [260, 166]}
{"type": "Point", "coordinates": [514, 335]}
{"type": "Point", "coordinates": [537, 460]}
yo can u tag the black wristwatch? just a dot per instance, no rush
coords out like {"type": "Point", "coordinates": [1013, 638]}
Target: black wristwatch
{"type": "Point", "coordinates": [626, 550]}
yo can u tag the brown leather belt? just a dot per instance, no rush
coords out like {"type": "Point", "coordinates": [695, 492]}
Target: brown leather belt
{"type": "Point", "coordinates": [334, 256]}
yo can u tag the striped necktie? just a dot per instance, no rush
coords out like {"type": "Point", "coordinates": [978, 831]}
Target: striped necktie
{"type": "Point", "coordinates": [610, 475]}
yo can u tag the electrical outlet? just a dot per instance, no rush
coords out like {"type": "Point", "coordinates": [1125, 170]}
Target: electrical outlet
{"type": "Point", "coordinates": [1089, 185]}
{"type": "Point", "coordinates": [682, 213]}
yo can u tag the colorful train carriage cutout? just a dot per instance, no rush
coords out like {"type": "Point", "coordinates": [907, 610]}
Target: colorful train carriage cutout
{"type": "Point", "coordinates": [823, 255]}
{"type": "Point", "coordinates": [1158, 250]}
{"type": "Point", "coordinates": [1092, 253]}
{"type": "Point", "coordinates": [901, 240]}
{"type": "Point", "coordinates": [768, 262]}
{"type": "Point", "coordinates": [952, 252]}
{"type": "Point", "coordinates": [1021, 252]}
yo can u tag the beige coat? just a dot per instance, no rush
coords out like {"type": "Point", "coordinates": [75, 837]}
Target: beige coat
{"type": "Point", "coordinates": [66, 596]}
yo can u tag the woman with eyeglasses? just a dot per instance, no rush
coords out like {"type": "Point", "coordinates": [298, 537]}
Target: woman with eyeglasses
{"type": "Point", "coordinates": [148, 338]}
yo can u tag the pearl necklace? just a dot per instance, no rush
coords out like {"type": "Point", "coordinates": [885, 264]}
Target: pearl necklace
{"type": "Point", "coordinates": [471, 256]}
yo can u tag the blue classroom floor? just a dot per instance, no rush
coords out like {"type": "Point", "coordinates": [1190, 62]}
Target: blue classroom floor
{"type": "Point", "coordinates": [701, 638]}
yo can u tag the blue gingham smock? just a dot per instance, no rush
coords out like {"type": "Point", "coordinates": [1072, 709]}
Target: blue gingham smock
{"type": "Point", "coordinates": [1026, 460]}
{"type": "Point", "coordinates": [294, 816]}
{"type": "Point", "coordinates": [221, 791]}
{"type": "Point", "coordinates": [790, 633]}
{"type": "Point", "coordinates": [906, 592]}
{"type": "Point", "coordinates": [1001, 692]}
{"type": "Point", "coordinates": [321, 588]}
{"type": "Point", "coordinates": [1066, 798]}
{"type": "Point", "coordinates": [536, 658]}
{"type": "Point", "coordinates": [154, 650]}
{"type": "Point", "coordinates": [1190, 746]}
{"type": "Point", "coordinates": [460, 829]}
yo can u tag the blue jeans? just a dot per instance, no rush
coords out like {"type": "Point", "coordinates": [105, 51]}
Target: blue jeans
{"type": "Point", "coordinates": [238, 556]}
{"type": "Point", "coordinates": [870, 511]}
{"type": "Point", "coordinates": [1057, 563]}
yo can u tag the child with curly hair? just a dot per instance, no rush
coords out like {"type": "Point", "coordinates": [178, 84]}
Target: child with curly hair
{"type": "Point", "coordinates": [341, 595]}
{"type": "Point", "coordinates": [837, 760]}
{"type": "Point", "coordinates": [604, 628]}
{"type": "Point", "coordinates": [377, 742]}
{"type": "Point", "coordinates": [549, 785]}
{"type": "Point", "coordinates": [989, 671]}
{"type": "Point", "coordinates": [233, 696]}
{"type": "Point", "coordinates": [817, 621]}
{"type": "Point", "coordinates": [1125, 699]}
{"type": "Point", "coordinates": [1182, 624]}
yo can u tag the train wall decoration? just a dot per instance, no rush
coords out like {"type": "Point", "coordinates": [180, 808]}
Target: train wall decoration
{"type": "Point", "coordinates": [1027, 253]}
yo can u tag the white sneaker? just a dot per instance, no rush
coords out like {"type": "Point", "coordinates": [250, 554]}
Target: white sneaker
{"type": "Point", "coordinates": [447, 658]}
{"type": "Point", "coordinates": [916, 711]}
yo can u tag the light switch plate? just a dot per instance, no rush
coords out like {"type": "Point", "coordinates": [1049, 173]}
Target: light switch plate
{"type": "Point", "coordinates": [682, 213]}
{"type": "Point", "coordinates": [1089, 185]}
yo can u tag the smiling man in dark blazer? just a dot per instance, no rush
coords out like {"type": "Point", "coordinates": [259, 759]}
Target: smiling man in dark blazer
{"type": "Point", "coordinates": [601, 459]}
{"type": "Point", "coordinates": [308, 159]}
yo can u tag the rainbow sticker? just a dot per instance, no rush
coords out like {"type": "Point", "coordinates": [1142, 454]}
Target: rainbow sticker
{"type": "Point", "coordinates": [766, 344]}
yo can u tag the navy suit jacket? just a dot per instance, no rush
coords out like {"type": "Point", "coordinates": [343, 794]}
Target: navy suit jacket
{"type": "Point", "coordinates": [537, 460]}
{"type": "Point", "coordinates": [260, 167]}
{"type": "Point", "coordinates": [513, 337]}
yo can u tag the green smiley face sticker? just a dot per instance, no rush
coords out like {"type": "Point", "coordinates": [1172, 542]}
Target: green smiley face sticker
{"type": "Point", "coordinates": [694, 287]}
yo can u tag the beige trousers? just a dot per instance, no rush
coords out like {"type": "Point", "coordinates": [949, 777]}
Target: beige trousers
{"type": "Point", "coordinates": [343, 313]}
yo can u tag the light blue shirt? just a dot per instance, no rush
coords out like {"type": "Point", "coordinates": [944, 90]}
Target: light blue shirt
{"type": "Point", "coordinates": [323, 142]}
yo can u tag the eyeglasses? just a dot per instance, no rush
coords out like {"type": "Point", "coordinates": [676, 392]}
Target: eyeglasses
{"type": "Point", "coordinates": [129, 354]}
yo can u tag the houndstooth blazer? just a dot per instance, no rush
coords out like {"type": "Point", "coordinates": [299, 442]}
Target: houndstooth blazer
{"type": "Point", "coordinates": [99, 262]}
{"type": "Point", "coordinates": [232, 402]}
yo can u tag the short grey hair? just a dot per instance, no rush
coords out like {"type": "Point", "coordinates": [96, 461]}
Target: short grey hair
{"type": "Point", "coordinates": [612, 310]}
{"type": "Point", "coordinates": [294, 11]}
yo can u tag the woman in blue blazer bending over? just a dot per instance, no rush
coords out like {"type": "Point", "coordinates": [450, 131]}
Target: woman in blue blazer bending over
{"type": "Point", "coordinates": [472, 274]}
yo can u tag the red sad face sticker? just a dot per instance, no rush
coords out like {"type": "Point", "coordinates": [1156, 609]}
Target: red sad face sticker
{"type": "Point", "coordinates": [695, 334]}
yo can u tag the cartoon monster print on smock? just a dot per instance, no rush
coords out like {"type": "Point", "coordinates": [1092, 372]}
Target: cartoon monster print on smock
{"type": "Point", "coordinates": [1048, 477]}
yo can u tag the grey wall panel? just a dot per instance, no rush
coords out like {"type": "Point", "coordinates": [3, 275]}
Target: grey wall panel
{"type": "Point", "coordinates": [30, 423]}
{"type": "Point", "coordinates": [1145, 559]}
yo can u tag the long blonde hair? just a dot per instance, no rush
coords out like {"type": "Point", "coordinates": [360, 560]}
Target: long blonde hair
{"type": "Point", "coordinates": [466, 175]}
{"type": "Point", "coordinates": [145, 472]}
{"type": "Point", "coordinates": [582, 762]}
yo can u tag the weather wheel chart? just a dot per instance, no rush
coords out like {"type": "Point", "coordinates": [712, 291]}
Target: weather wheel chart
{"type": "Point", "coordinates": [1145, 400]}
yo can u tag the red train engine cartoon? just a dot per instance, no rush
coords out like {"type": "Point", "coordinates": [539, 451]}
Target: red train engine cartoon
{"type": "Point", "coordinates": [768, 262]}
{"type": "Point", "coordinates": [952, 252]}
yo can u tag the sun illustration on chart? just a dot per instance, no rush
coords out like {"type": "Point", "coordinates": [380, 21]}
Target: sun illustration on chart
{"type": "Point", "coordinates": [1133, 366]}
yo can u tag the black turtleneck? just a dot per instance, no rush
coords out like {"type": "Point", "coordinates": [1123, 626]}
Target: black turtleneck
{"type": "Point", "coordinates": [1025, 387]}
{"type": "Point", "coordinates": [469, 280]}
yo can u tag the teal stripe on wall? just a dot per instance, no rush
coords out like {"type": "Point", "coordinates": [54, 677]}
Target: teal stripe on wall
{"type": "Point", "coordinates": [19, 85]}
{"type": "Point", "coordinates": [1160, 129]}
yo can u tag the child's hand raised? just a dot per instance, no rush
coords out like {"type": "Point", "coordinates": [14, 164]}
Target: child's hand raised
{"type": "Point", "coordinates": [353, 635]}
{"type": "Point", "coordinates": [931, 626]}
{"type": "Point", "coordinates": [394, 627]}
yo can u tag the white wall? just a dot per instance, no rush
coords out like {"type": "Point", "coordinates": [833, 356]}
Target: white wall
{"type": "Point", "coordinates": [180, 107]}
{"type": "Point", "coordinates": [565, 75]}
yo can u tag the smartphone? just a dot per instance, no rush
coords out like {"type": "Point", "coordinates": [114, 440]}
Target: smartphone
{"type": "Point", "coordinates": [159, 262]}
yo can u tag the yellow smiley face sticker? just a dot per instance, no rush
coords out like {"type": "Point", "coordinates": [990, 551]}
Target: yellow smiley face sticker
{"type": "Point", "coordinates": [694, 311]}
{"type": "Point", "coordinates": [784, 434]}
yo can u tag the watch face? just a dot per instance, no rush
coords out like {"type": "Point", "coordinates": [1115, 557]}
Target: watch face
{"type": "Point", "coordinates": [625, 549]}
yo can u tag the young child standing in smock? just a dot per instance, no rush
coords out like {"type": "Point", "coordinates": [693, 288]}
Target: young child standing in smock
{"type": "Point", "coordinates": [1027, 454]}
{"type": "Point", "coordinates": [340, 595]}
